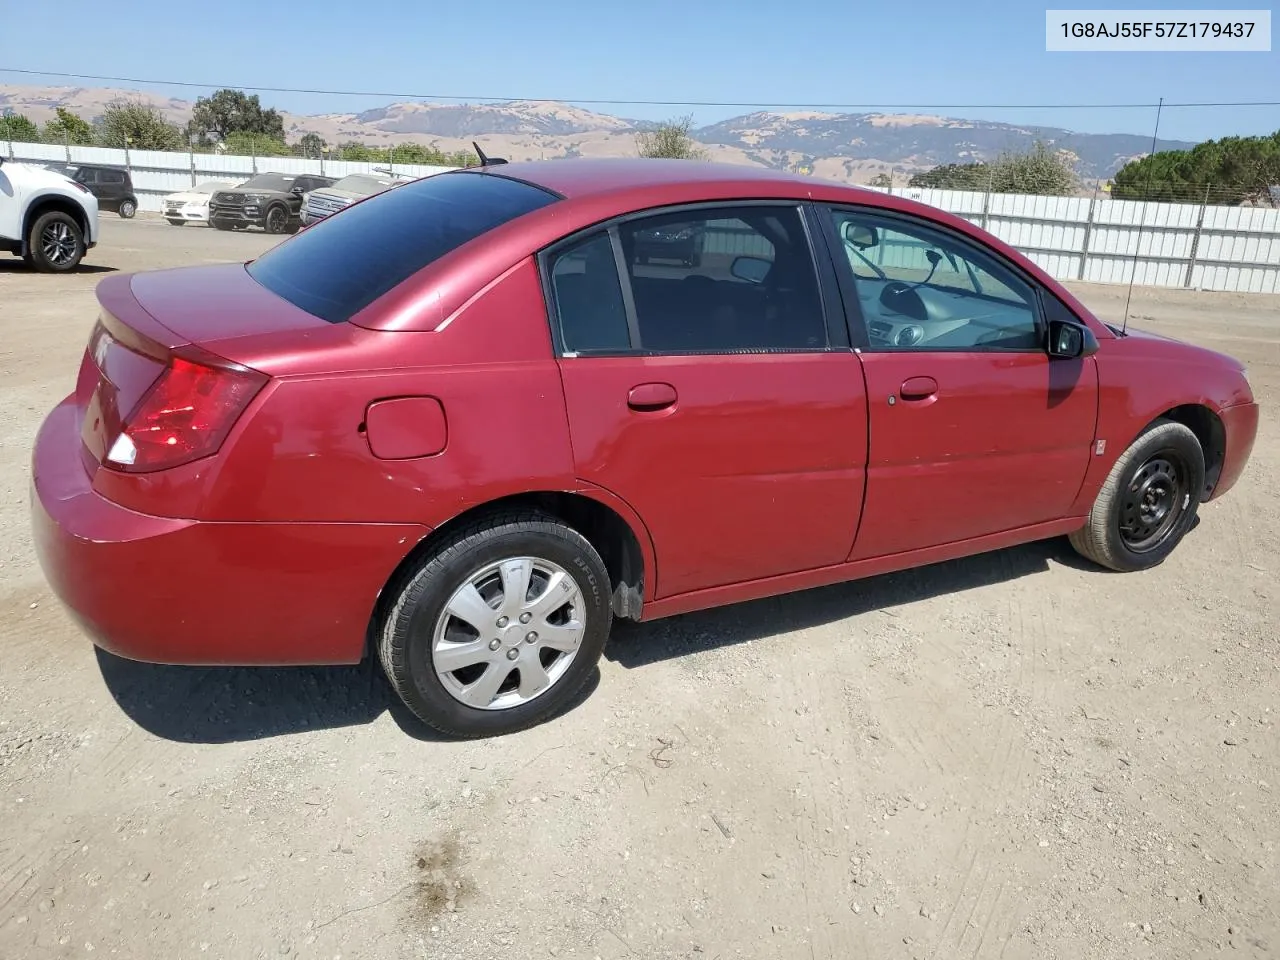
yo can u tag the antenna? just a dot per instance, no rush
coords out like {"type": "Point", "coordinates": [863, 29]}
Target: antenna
{"type": "Point", "coordinates": [486, 161]}
{"type": "Point", "coordinates": [1137, 243]}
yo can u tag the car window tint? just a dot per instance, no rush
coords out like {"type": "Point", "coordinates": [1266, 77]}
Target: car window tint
{"type": "Point", "coordinates": [588, 297]}
{"type": "Point", "coordinates": [340, 265]}
{"type": "Point", "coordinates": [112, 176]}
{"type": "Point", "coordinates": [724, 281]}
{"type": "Point", "coordinates": [921, 289]}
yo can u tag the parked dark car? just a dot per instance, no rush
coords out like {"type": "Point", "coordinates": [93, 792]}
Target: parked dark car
{"type": "Point", "coordinates": [272, 201]}
{"type": "Point", "coordinates": [111, 185]}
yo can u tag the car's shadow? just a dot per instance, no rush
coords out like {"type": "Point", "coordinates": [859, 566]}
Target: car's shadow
{"type": "Point", "coordinates": [637, 645]}
{"type": "Point", "coordinates": [16, 266]}
{"type": "Point", "coordinates": [229, 704]}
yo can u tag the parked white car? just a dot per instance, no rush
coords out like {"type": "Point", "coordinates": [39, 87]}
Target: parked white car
{"type": "Point", "coordinates": [46, 218]}
{"type": "Point", "coordinates": [192, 205]}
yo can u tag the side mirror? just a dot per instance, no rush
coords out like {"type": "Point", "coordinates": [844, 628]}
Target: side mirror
{"type": "Point", "coordinates": [297, 190]}
{"type": "Point", "coordinates": [1071, 341]}
{"type": "Point", "coordinates": [751, 269]}
{"type": "Point", "coordinates": [859, 235]}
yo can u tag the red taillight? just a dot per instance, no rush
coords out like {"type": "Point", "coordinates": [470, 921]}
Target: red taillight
{"type": "Point", "coordinates": [185, 415]}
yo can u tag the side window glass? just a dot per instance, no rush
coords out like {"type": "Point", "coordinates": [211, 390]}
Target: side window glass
{"type": "Point", "coordinates": [588, 297]}
{"type": "Point", "coordinates": [920, 289]}
{"type": "Point", "coordinates": [112, 176]}
{"type": "Point", "coordinates": [724, 281]}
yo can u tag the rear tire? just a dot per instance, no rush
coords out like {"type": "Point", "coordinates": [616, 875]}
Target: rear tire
{"type": "Point", "coordinates": [127, 209]}
{"type": "Point", "coordinates": [461, 642]}
{"type": "Point", "coordinates": [1148, 502]}
{"type": "Point", "coordinates": [55, 243]}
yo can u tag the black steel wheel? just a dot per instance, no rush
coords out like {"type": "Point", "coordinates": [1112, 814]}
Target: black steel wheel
{"type": "Point", "coordinates": [1148, 502]}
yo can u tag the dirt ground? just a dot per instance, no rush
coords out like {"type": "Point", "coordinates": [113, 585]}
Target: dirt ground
{"type": "Point", "coordinates": [1010, 756]}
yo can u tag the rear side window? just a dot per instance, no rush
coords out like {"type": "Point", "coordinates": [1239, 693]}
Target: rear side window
{"type": "Point", "coordinates": [339, 266]}
{"type": "Point", "coordinates": [588, 298]}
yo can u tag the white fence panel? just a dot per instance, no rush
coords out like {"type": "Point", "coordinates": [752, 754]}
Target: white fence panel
{"type": "Point", "coordinates": [1235, 249]}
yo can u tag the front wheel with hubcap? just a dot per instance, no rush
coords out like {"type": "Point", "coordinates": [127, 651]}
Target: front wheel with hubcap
{"type": "Point", "coordinates": [499, 628]}
{"type": "Point", "coordinates": [1148, 502]}
{"type": "Point", "coordinates": [127, 209]}
{"type": "Point", "coordinates": [55, 243]}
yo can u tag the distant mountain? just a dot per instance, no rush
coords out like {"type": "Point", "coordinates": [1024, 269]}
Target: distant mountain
{"type": "Point", "coordinates": [842, 146]}
{"type": "Point", "coordinates": [919, 141]}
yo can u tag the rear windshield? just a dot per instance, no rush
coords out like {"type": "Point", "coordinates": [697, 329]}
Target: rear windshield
{"type": "Point", "coordinates": [341, 264]}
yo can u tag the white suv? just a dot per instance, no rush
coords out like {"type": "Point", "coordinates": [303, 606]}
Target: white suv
{"type": "Point", "coordinates": [47, 219]}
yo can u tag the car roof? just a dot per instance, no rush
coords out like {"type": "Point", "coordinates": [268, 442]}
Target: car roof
{"type": "Point", "coordinates": [580, 178]}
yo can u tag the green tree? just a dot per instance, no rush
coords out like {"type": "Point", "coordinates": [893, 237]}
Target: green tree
{"type": "Point", "coordinates": [881, 180]}
{"type": "Point", "coordinates": [67, 127]}
{"type": "Point", "coordinates": [244, 144]}
{"type": "Point", "coordinates": [1229, 171]}
{"type": "Point", "coordinates": [138, 125]}
{"type": "Point", "coordinates": [226, 112]}
{"type": "Point", "coordinates": [15, 126]}
{"type": "Point", "coordinates": [671, 139]}
{"type": "Point", "coordinates": [953, 176]}
{"type": "Point", "coordinates": [311, 145]}
{"type": "Point", "coordinates": [1040, 170]}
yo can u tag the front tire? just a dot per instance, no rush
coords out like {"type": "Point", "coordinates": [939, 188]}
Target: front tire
{"type": "Point", "coordinates": [178, 223]}
{"type": "Point", "coordinates": [1148, 502]}
{"type": "Point", "coordinates": [276, 221]}
{"type": "Point", "coordinates": [55, 243]}
{"type": "Point", "coordinates": [500, 628]}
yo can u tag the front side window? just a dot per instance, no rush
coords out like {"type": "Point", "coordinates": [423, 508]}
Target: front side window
{"type": "Point", "coordinates": [921, 289]}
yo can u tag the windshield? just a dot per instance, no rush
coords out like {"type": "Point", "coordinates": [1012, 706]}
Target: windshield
{"type": "Point", "coordinates": [340, 265]}
{"type": "Point", "coordinates": [362, 183]}
{"type": "Point", "coordinates": [279, 182]}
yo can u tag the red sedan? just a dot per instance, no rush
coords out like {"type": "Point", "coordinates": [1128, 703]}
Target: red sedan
{"type": "Point", "coordinates": [462, 425]}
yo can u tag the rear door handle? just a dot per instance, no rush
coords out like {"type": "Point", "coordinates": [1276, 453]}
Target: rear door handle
{"type": "Point", "coordinates": [651, 396]}
{"type": "Point", "coordinates": [918, 388]}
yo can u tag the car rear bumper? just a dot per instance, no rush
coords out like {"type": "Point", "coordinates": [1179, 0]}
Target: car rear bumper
{"type": "Point", "coordinates": [181, 591]}
{"type": "Point", "coordinates": [1240, 424]}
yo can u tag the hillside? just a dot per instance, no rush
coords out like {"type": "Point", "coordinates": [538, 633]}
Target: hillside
{"type": "Point", "coordinates": [842, 146]}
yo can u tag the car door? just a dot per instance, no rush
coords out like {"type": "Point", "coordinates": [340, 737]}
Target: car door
{"type": "Point", "coordinates": [112, 187]}
{"type": "Point", "coordinates": [974, 430]}
{"type": "Point", "coordinates": [714, 392]}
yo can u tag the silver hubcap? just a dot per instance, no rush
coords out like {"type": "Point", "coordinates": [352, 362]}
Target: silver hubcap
{"type": "Point", "coordinates": [58, 243]}
{"type": "Point", "coordinates": [509, 633]}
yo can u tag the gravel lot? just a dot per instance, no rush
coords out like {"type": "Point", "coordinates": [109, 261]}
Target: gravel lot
{"type": "Point", "coordinates": [1009, 756]}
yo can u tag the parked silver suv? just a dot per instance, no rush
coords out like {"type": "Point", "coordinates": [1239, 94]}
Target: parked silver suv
{"type": "Point", "coordinates": [328, 200]}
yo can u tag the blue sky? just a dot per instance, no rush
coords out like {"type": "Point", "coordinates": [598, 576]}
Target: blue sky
{"type": "Point", "coordinates": [823, 51]}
